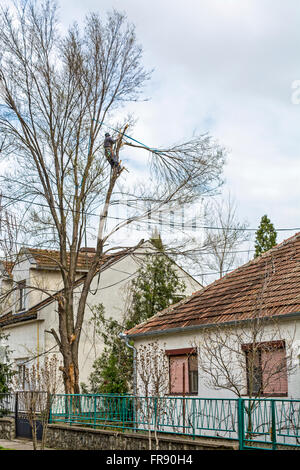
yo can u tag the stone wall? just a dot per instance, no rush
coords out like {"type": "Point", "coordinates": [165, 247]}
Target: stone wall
{"type": "Point", "coordinates": [7, 428]}
{"type": "Point", "coordinates": [79, 438]}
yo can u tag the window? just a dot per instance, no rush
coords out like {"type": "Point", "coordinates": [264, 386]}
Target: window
{"type": "Point", "coordinates": [22, 371]}
{"type": "Point", "coordinates": [21, 293]}
{"type": "Point", "coordinates": [183, 371]}
{"type": "Point", "coordinates": [266, 369]}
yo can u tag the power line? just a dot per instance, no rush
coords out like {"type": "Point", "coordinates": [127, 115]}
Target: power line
{"type": "Point", "coordinates": [167, 252]}
{"type": "Point", "coordinates": [140, 221]}
{"type": "Point", "coordinates": [97, 215]}
{"type": "Point", "coordinates": [170, 251]}
{"type": "Point", "coordinates": [177, 224]}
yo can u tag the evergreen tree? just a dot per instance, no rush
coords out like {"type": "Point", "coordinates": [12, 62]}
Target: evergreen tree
{"type": "Point", "coordinates": [6, 371]}
{"type": "Point", "coordinates": [265, 236]}
{"type": "Point", "coordinates": [156, 286]}
{"type": "Point", "coordinates": [112, 370]}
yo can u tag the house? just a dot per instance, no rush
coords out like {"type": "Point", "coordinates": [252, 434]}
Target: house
{"type": "Point", "coordinates": [30, 311]}
{"type": "Point", "coordinates": [242, 328]}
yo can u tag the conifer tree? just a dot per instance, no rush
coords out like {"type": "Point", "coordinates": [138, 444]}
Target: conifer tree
{"type": "Point", "coordinates": [6, 371]}
{"type": "Point", "coordinates": [265, 236]}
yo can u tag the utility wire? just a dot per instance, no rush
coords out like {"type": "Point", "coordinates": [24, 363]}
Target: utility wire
{"type": "Point", "coordinates": [177, 224]}
{"type": "Point", "coordinates": [167, 252]}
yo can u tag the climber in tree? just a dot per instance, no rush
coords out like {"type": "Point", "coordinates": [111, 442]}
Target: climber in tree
{"type": "Point", "coordinates": [109, 152]}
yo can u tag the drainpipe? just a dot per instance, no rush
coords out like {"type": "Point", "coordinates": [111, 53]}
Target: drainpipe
{"type": "Point", "coordinates": [126, 339]}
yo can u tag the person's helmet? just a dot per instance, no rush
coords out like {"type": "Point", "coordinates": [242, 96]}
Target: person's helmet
{"type": "Point", "coordinates": [107, 134]}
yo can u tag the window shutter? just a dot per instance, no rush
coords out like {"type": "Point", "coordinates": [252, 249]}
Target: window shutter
{"type": "Point", "coordinates": [179, 374]}
{"type": "Point", "coordinates": [274, 372]}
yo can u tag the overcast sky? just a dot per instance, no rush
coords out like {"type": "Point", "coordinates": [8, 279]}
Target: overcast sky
{"type": "Point", "coordinates": [226, 67]}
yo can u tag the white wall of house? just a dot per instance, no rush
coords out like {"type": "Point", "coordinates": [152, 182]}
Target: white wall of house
{"type": "Point", "coordinates": [33, 338]}
{"type": "Point", "coordinates": [24, 339]}
{"type": "Point", "coordinates": [289, 331]}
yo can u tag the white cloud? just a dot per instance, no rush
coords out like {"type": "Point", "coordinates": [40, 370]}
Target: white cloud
{"type": "Point", "coordinates": [227, 67]}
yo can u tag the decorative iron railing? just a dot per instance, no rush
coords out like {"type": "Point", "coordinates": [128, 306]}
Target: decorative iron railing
{"type": "Point", "coordinates": [269, 423]}
{"type": "Point", "coordinates": [254, 423]}
{"type": "Point", "coordinates": [263, 423]}
{"type": "Point", "coordinates": [190, 416]}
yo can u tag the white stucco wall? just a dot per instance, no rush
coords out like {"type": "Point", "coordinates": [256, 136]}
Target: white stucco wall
{"type": "Point", "coordinates": [25, 339]}
{"type": "Point", "coordinates": [289, 331]}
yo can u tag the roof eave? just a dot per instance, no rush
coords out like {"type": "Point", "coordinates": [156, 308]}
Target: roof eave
{"type": "Point", "coordinates": [207, 325]}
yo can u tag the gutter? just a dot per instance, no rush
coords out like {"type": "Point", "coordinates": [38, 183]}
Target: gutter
{"type": "Point", "coordinates": [125, 338]}
{"type": "Point", "coordinates": [206, 325]}
{"type": "Point", "coordinates": [28, 321]}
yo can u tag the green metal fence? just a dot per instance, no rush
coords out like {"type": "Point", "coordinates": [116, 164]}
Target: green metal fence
{"type": "Point", "coordinates": [269, 424]}
{"type": "Point", "coordinates": [189, 416]}
{"type": "Point", "coordinates": [257, 423]}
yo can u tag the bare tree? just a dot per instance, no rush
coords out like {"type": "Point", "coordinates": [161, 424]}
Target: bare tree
{"type": "Point", "coordinates": [57, 92]}
{"type": "Point", "coordinates": [153, 384]}
{"type": "Point", "coordinates": [9, 232]}
{"type": "Point", "coordinates": [9, 229]}
{"type": "Point", "coordinates": [224, 235]}
{"type": "Point", "coordinates": [252, 358]}
{"type": "Point", "coordinates": [42, 383]}
{"type": "Point", "coordinates": [230, 357]}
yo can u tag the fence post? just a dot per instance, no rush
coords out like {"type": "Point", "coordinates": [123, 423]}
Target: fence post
{"type": "Point", "coordinates": [273, 425]}
{"type": "Point", "coordinates": [241, 423]}
{"type": "Point", "coordinates": [134, 413]}
{"type": "Point", "coordinates": [16, 412]}
{"type": "Point", "coordinates": [123, 411]}
{"type": "Point", "coordinates": [155, 411]}
{"type": "Point", "coordinates": [71, 409]}
{"type": "Point", "coordinates": [51, 399]}
{"type": "Point", "coordinates": [95, 407]}
{"type": "Point", "coordinates": [194, 417]}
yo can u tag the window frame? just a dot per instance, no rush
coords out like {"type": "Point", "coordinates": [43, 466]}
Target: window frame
{"type": "Point", "coordinates": [265, 345]}
{"type": "Point", "coordinates": [21, 300]}
{"type": "Point", "coordinates": [188, 352]}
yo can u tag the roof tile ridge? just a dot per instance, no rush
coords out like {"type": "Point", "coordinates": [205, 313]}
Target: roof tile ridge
{"type": "Point", "coordinates": [220, 280]}
{"type": "Point", "coordinates": [288, 240]}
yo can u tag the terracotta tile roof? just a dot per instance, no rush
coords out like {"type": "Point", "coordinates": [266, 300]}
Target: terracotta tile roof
{"type": "Point", "coordinates": [8, 266]}
{"type": "Point", "coordinates": [268, 285]}
{"type": "Point", "coordinates": [51, 258]}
